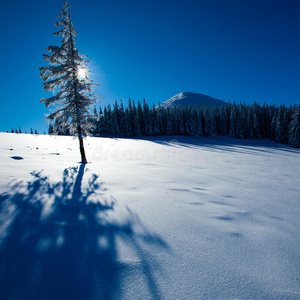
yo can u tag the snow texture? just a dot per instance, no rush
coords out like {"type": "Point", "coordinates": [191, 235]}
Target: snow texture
{"type": "Point", "coordinates": [159, 218]}
{"type": "Point", "coordinates": [190, 99]}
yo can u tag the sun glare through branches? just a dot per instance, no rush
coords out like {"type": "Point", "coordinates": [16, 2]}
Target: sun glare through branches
{"type": "Point", "coordinates": [81, 73]}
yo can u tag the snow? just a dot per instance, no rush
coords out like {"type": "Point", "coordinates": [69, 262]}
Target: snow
{"type": "Point", "coordinates": [156, 218]}
{"type": "Point", "coordinates": [190, 99]}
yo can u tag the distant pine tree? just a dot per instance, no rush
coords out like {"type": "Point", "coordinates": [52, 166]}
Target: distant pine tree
{"type": "Point", "coordinates": [100, 127]}
{"type": "Point", "coordinates": [213, 123]}
{"type": "Point", "coordinates": [222, 121]}
{"type": "Point", "coordinates": [147, 119]}
{"type": "Point", "coordinates": [181, 129]}
{"type": "Point", "coordinates": [50, 129]}
{"type": "Point", "coordinates": [233, 121]}
{"type": "Point", "coordinates": [256, 127]}
{"type": "Point", "coordinates": [294, 132]}
{"type": "Point", "coordinates": [141, 118]}
{"type": "Point", "coordinates": [279, 130]}
{"type": "Point", "coordinates": [68, 75]}
{"type": "Point", "coordinates": [136, 124]}
{"type": "Point", "coordinates": [155, 122]}
{"type": "Point", "coordinates": [199, 123]}
{"type": "Point", "coordinates": [273, 126]}
{"type": "Point", "coordinates": [94, 120]}
{"type": "Point", "coordinates": [121, 118]}
{"type": "Point", "coordinates": [127, 125]}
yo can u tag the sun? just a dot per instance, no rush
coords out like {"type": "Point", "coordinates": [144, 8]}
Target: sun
{"type": "Point", "coordinates": [81, 73]}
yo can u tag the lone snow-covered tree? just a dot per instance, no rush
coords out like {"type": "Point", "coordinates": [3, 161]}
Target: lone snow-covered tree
{"type": "Point", "coordinates": [67, 77]}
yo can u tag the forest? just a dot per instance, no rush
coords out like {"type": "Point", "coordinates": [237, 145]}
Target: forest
{"type": "Point", "coordinates": [242, 121]}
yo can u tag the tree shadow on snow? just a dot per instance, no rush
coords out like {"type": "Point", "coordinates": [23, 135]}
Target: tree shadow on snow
{"type": "Point", "coordinates": [59, 241]}
{"type": "Point", "coordinates": [225, 143]}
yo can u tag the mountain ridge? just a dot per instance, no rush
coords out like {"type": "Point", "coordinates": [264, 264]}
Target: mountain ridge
{"type": "Point", "coordinates": [190, 99]}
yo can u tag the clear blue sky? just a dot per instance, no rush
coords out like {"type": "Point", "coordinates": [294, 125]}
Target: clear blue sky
{"type": "Point", "coordinates": [238, 50]}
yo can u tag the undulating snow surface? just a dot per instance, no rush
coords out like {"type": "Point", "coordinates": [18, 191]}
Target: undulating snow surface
{"type": "Point", "coordinates": [163, 218]}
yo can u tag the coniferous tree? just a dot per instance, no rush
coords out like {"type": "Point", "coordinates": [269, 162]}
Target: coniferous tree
{"type": "Point", "coordinates": [50, 130]}
{"type": "Point", "coordinates": [181, 130]}
{"type": "Point", "coordinates": [250, 128]}
{"type": "Point", "coordinates": [155, 122]}
{"type": "Point", "coordinates": [109, 120]}
{"type": "Point", "coordinates": [168, 121]}
{"type": "Point", "coordinates": [273, 126]}
{"type": "Point", "coordinates": [185, 117]}
{"type": "Point", "coordinates": [130, 124]}
{"type": "Point", "coordinates": [141, 118]}
{"type": "Point", "coordinates": [223, 121]}
{"type": "Point", "coordinates": [94, 120]}
{"type": "Point", "coordinates": [127, 124]}
{"type": "Point", "coordinates": [265, 121]}
{"type": "Point", "coordinates": [279, 130]}
{"type": "Point", "coordinates": [207, 121]}
{"type": "Point", "coordinates": [147, 119]}
{"type": "Point", "coordinates": [199, 123]}
{"type": "Point", "coordinates": [256, 126]}
{"type": "Point", "coordinates": [135, 119]}
{"type": "Point", "coordinates": [162, 120]}
{"type": "Point", "coordinates": [294, 133]}
{"type": "Point", "coordinates": [68, 76]}
{"type": "Point", "coordinates": [213, 123]}
{"type": "Point", "coordinates": [289, 113]}
{"type": "Point", "coordinates": [100, 126]}
{"type": "Point", "coordinates": [115, 125]}
{"type": "Point", "coordinates": [116, 117]}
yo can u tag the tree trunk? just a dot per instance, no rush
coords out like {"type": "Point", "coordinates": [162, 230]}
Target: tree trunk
{"type": "Point", "coordinates": [81, 146]}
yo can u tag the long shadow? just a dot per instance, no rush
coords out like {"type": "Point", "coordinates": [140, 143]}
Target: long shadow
{"type": "Point", "coordinates": [59, 241]}
{"type": "Point", "coordinates": [246, 146]}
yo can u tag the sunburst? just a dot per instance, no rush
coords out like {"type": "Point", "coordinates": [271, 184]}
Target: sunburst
{"type": "Point", "coordinates": [81, 73]}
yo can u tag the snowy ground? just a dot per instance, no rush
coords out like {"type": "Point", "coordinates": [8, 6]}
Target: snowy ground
{"type": "Point", "coordinates": [163, 218]}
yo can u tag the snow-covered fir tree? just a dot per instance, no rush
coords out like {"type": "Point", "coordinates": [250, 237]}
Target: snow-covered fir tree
{"type": "Point", "coordinates": [279, 129]}
{"type": "Point", "coordinates": [155, 121]}
{"type": "Point", "coordinates": [294, 133]}
{"type": "Point", "coordinates": [147, 119]}
{"type": "Point", "coordinates": [67, 76]}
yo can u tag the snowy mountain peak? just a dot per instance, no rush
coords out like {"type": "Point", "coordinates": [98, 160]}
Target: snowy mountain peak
{"type": "Point", "coordinates": [189, 99]}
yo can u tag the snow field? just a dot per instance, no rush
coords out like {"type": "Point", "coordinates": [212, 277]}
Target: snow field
{"type": "Point", "coordinates": [157, 218]}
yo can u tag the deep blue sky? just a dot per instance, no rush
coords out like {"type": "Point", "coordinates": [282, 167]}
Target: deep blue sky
{"type": "Point", "coordinates": [238, 50]}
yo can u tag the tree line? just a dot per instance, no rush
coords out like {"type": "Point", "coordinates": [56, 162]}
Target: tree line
{"type": "Point", "coordinates": [20, 131]}
{"type": "Point", "coordinates": [279, 123]}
